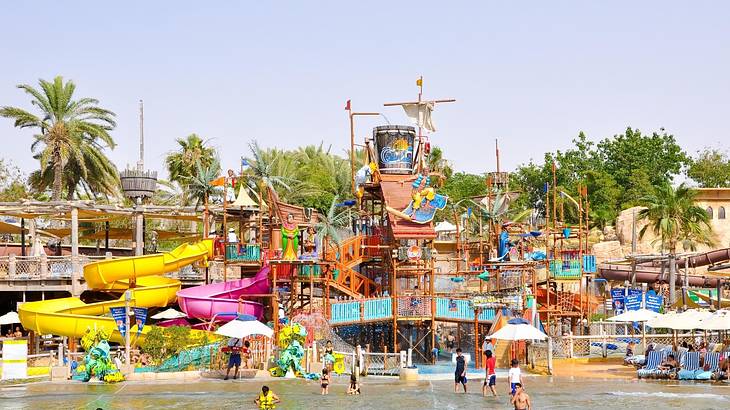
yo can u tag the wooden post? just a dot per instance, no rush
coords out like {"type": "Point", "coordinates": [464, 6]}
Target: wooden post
{"type": "Point", "coordinates": [477, 346]}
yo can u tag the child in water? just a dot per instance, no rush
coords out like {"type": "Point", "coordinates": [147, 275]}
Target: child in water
{"type": "Point", "coordinates": [325, 381]}
{"type": "Point", "coordinates": [354, 386]}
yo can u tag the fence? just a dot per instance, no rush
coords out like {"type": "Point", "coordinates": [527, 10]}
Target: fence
{"type": "Point", "coordinates": [381, 364]}
{"type": "Point", "coordinates": [244, 253]}
{"type": "Point", "coordinates": [41, 267]}
{"type": "Point", "coordinates": [614, 345]}
{"type": "Point", "coordinates": [363, 310]}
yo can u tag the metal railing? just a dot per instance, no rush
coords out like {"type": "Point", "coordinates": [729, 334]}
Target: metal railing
{"type": "Point", "coordinates": [13, 267]}
{"type": "Point", "coordinates": [381, 364]}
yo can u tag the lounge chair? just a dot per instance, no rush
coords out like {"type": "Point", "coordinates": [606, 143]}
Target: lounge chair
{"type": "Point", "coordinates": [652, 363]}
{"type": "Point", "coordinates": [712, 362]}
{"type": "Point", "coordinates": [667, 374]}
{"type": "Point", "coordinates": [690, 365]}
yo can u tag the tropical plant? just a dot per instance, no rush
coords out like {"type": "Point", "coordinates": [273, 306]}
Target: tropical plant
{"type": "Point", "coordinates": [182, 164]}
{"type": "Point", "coordinates": [69, 132]}
{"type": "Point", "coordinates": [673, 216]}
{"type": "Point", "coordinates": [200, 190]}
{"type": "Point", "coordinates": [439, 165]}
{"type": "Point", "coordinates": [329, 225]}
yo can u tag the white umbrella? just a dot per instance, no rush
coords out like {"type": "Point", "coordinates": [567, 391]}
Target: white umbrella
{"type": "Point", "coordinates": [519, 332]}
{"type": "Point", "coordinates": [640, 315]}
{"type": "Point", "coordinates": [445, 226]}
{"type": "Point", "coordinates": [9, 318]}
{"type": "Point", "coordinates": [719, 321]}
{"type": "Point", "coordinates": [168, 314]}
{"type": "Point", "coordinates": [244, 328]}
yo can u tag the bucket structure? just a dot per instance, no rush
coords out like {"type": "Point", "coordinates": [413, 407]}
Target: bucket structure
{"type": "Point", "coordinates": [395, 145]}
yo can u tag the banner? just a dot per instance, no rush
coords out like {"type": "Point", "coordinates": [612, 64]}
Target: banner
{"type": "Point", "coordinates": [140, 318]}
{"type": "Point", "coordinates": [654, 302]}
{"type": "Point", "coordinates": [617, 295]}
{"type": "Point", "coordinates": [633, 302]}
{"type": "Point", "coordinates": [118, 314]}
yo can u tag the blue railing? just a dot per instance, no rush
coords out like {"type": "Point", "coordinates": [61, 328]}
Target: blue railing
{"type": "Point", "coordinates": [377, 309]}
{"type": "Point", "coordinates": [345, 312]}
{"type": "Point", "coordinates": [589, 263]}
{"type": "Point", "coordinates": [310, 270]}
{"type": "Point", "coordinates": [460, 309]}
{"type": "Point", "coordinates": [247, 253]}
{"type": "Point", "coordinates": [565, 269]}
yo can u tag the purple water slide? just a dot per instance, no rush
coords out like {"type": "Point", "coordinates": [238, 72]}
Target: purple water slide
{"type": "Point", "coordinates": [203, 302]}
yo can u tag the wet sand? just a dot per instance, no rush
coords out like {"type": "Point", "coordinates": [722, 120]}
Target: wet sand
{"type": "Point", "coordinates": [378, 393]}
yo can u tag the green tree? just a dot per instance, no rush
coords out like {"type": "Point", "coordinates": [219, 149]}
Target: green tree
{"type": "Point", "coordinates": [182, 164]}
{"type": "Point", "coordinates": [12, 184]}
{"type": "Point", "coordinates": [200, 190]}
{"type": "Point", "coordinates": [438, 164]}
{"type": "Point", "coordinates": [329, 225]}
{"type": "Point", "coordinates": [68, 130]}
{"type": "Point", "coordinates": [674, 217]}
{"type": "Point", "coordinates": [710, 169]}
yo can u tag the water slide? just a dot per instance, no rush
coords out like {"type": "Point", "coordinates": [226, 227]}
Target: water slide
{"type": "Point", "coordinates": [203, 302]}
{"type": "Point", "coordinates": [651, 274]}
{"type": "Point", "coordinates": [72, 316]}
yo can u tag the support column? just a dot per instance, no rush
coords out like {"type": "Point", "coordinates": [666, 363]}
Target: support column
{"type": "Point", "coordinates": [75, 265]}
{"type": "Point", "coordinates": [139, 233]}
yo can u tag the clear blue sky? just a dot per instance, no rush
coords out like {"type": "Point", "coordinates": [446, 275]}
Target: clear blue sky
{"type": "Point", "coordinates": [531, 73]}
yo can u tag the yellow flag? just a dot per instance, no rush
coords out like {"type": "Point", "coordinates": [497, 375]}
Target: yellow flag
{"type": "Point", "coordinates": [419, 82]}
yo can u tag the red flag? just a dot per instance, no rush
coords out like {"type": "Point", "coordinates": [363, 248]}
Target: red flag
{"type": "Point", "coordinates": [347, 107]}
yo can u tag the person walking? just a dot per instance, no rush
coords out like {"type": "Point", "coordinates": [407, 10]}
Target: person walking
{"type": "Point", "coordinates": [490, 379]}
{"type": "Point", "coordinates": [460, 372]}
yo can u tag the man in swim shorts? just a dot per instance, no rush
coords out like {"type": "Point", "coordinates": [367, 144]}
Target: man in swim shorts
{"type": "Point", "coordinates": [460, 372]}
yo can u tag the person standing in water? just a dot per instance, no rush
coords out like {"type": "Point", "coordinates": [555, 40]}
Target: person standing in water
{"type": "Point", "coordinates": [490, 378]}
{"type": "Point", "coordinates": [521, 400]}
{"type": "Point", "coordinates": [325, 381]}
{"type": "Point", "coordinates": [460, 372]}
{"type": "Point", "coordinates": [515, 376]}
{"type": "Point", "coordinates": [267, 399]}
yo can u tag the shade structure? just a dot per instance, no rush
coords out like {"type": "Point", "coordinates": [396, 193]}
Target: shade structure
{"type": "Point", "coordinates": [518, 332]}
{"type": "Point", "coordinates": [244, 328]}
{"type": "Point", "coordinates": [9, 318]}
{"type": "Point", "coordinates": [688, 320]}
{"type": "Point", "coordinates": [168, 314]}
{"type": "Point", "coordinates": [719, 321]}
{"type": "Point", "coordinates": [641, 315]}
{"type": "Point", "coordinates": [445, 226]}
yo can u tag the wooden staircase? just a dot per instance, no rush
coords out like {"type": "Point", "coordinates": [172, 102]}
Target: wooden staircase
{"type": "Point", "coordinates": [345, 257]}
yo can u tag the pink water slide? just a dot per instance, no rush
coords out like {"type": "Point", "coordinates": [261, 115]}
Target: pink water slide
{"type": "Point", "coordinates": [203, 302]}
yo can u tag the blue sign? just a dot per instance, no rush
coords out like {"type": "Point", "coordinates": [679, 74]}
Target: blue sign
{"type": "Point", "coordinates": [119, 315]}
{"type": "Point", "coordinates": [617, 295]}
{"type": "Point", "coordinates": [654, 302]}
{"type": "Point", "coordinates": [140, 317]}
{"type": "Point", "coordinates": [633, 302]}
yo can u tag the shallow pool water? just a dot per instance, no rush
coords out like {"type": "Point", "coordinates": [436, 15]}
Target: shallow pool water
{"type": "Point", "coordinates": [378, 393]}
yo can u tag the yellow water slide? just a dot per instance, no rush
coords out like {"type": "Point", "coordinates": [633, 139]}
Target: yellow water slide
{"type": "Point", "coordinates": [72, 317]}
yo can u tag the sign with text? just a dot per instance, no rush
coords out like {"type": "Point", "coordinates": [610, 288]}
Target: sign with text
{"type": "Point", "coordinates": [118, 313]}
{"type": "Point", "coordinates": [617, 296]}
{"type": "Point", "coordinates": [654, 302]}
{"type": "Point", "coordinates": [633, 302]}
{"type": "Point", "coordinates": [140, 318]}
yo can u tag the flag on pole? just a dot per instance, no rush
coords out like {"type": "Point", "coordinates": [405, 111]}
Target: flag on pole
{"type": "Point", "coordinates": [347, 106]}
{"type": "Point", "coordinates": [419, 82]}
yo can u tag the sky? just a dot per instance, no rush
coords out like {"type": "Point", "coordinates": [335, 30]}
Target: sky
{"type": "Point", "coordinates": [530, 73]}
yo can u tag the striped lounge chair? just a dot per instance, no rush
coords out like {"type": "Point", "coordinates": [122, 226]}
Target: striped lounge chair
{"type": "Point", "coordinates": [652, 362]}
{"type": "Point", "coordinates": [712, 362]}
{"type": "Point", "coordinates": [667, 374]}
{"type": "Point", "coordinates": [690, 366]}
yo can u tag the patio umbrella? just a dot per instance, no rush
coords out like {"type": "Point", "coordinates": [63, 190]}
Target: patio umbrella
{"type": "Point", "coordinates": [690, 319]}
{"type": "Point", "coordinates": [9, 318]}
{"type": "Point", "coordinates": [244, 328]}
{"type": "Point", "coordinates": [168, 314]}
{"type": "Point", "coordinates": [641, 315]}
{"type": "Point", "coordinates": [719, 321]}
{"type": "Point", "coordinates": [520, 331]}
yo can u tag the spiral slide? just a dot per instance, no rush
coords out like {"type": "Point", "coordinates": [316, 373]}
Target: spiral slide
{"type": "Point", "coordinates": [71, 316]}
{"type": "Point", "coordinates": [203, 302]}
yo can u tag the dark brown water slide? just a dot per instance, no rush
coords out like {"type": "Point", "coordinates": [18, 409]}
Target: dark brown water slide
{"type": "Point", "coordinates": [651, 274]}
{"type": "Point", "coordinates": [646, 274]}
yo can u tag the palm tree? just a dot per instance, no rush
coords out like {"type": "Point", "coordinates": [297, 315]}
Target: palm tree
{"type": "Point", "coordinates": [199, 188]}
{"type": "Point", "coordinates": [439, 165]}
{"type": "Point", "coordinates": [674, 218]}
{"type": "Point", "coordinates": [270, 169]}
{"type": "Point", "coordinates": [68, 130]}
{"type": "Point", "coordinates": [94, 175]}
{"type": "Point", "coordinates": [182, 164]}
{"type": "Point", "coordinates": [328, 225]}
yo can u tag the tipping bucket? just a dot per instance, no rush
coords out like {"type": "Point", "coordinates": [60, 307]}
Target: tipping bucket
{"type": "Point", "coordinates": [395, 147]}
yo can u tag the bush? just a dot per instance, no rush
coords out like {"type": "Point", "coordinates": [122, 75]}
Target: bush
{"type": "Point", "coordinates": [163, 342]}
